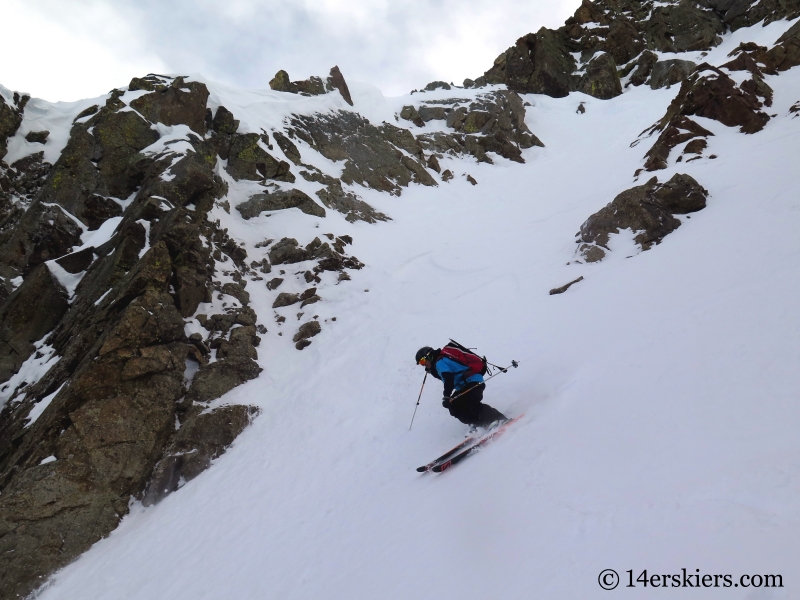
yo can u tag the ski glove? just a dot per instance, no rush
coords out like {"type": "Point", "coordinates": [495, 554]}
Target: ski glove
{"type": "Point", "coordinates": [446, 401]}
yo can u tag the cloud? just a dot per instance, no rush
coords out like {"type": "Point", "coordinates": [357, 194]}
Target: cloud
{"type": "Point", "coordinates": [394, 45]}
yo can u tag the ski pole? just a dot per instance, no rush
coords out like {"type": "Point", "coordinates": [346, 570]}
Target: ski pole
{"type": "Point", "coordinates": [418, 399]}
{"type": "Point", "coordinates": [514, 363]}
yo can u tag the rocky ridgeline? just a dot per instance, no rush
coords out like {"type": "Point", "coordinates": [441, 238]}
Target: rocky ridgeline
{"type": "Point", "coordinates": [608, 41]}
{"type": "Point", "coordinates": [103, 405]}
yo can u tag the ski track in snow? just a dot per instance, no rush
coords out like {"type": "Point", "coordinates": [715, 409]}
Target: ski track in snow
{"type": "Point", "coordinates": [660, 393]}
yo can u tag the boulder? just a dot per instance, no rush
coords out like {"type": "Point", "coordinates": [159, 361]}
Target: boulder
{"type": "Point", "coordinates": [287, 250]}
{"type": "Point", "coordinates": [307, 330]}
{"type": "Point", "coordinates": [285, 299]}
{"type": "Point", "coordinates": [37, 137]}
{"type": "Point", "coordinates": [409, 113]}
{"type": "Point", "coordinates": [224, 122]}
{"type": "Point", "coordinates": [282, 83]}
{"type": "Point", "coordinates": [279, 200]}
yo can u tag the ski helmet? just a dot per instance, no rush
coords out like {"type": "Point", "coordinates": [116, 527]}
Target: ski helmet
{"type": "Point", "coordinates": [423, 352]}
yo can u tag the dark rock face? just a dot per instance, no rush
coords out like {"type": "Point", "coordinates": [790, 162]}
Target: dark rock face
{"type": "Point", "coordinates": [683, 28]}
{"type": "Point", "coordinates": [27, 316]}
{"type": "Point", "coordinates": [179, 103]}
{"type": "Point", "coordinates": [280, 200]}
{"type": "Point", "coordinates": [647, 209]}
{"type": "Point", "coordinates": [200, 440]}
{"type": "Point", "coordinates": [538, 63]}
{"type": "Point", "coordinates": [666, 73]}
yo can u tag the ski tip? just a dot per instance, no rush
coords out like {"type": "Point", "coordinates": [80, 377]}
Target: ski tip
{"type": "Point", "coordinates": [422, 469]}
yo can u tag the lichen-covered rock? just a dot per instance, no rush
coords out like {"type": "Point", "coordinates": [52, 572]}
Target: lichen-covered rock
{"type": "Point", "coordinates": [282, 83]}
{"type": "Point", "coordinates": [647, 210]}
{"type": "Point", "coordinates": [601, 79]}
{"type": "Point", "coordinates": [224, 122]}
{"type": "Point", "coordinates": [285, 299]}
{"type": "Point", "coordinates": [248, 160]}
{"type": "Point", "coordinates": [279, 200]}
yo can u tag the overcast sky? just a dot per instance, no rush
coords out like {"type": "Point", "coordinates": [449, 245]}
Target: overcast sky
{"type": "Point", "coordinates": [72, 49]}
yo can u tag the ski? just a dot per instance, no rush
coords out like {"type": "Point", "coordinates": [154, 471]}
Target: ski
{"type": "Point", "coordinates": [429, 466]}
{"type": "Point", "coordinates": [459, 456]}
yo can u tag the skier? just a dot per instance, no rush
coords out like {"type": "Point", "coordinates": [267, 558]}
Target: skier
{"type": "Point", "coordinates": [463, 388]}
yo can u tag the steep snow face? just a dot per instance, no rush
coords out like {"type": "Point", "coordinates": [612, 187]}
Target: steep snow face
{"type": "Point", "coordinates": [659, 393]}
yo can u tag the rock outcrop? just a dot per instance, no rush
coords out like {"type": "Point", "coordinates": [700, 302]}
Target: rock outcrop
{"type": "Point", "coordinates": [629, 32]}
{"type": "Point", "coordinates": [712, 94]}
{"type": "Point", "coordinates": [314, 86]}
{"type": "Point", "coordinates": [647, 210]}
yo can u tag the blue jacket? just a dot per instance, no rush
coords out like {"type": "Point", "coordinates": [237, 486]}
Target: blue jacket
{"type": "Point", "coordinates": [453, 375]}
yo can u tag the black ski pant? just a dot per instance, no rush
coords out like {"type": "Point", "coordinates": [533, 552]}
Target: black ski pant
{"type": "Point", "coordinates": [469, 408]}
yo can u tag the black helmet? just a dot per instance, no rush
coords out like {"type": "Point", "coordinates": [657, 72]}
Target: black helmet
{"type": "Point", "coordinates": [425, 351]}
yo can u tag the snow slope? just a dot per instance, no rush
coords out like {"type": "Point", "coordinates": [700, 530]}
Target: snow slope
{"type": "Point", "coordinates": [660, 394]}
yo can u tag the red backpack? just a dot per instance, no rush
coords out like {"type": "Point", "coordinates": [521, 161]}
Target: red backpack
{"type": "Point", "coordinates": [474, 363]}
